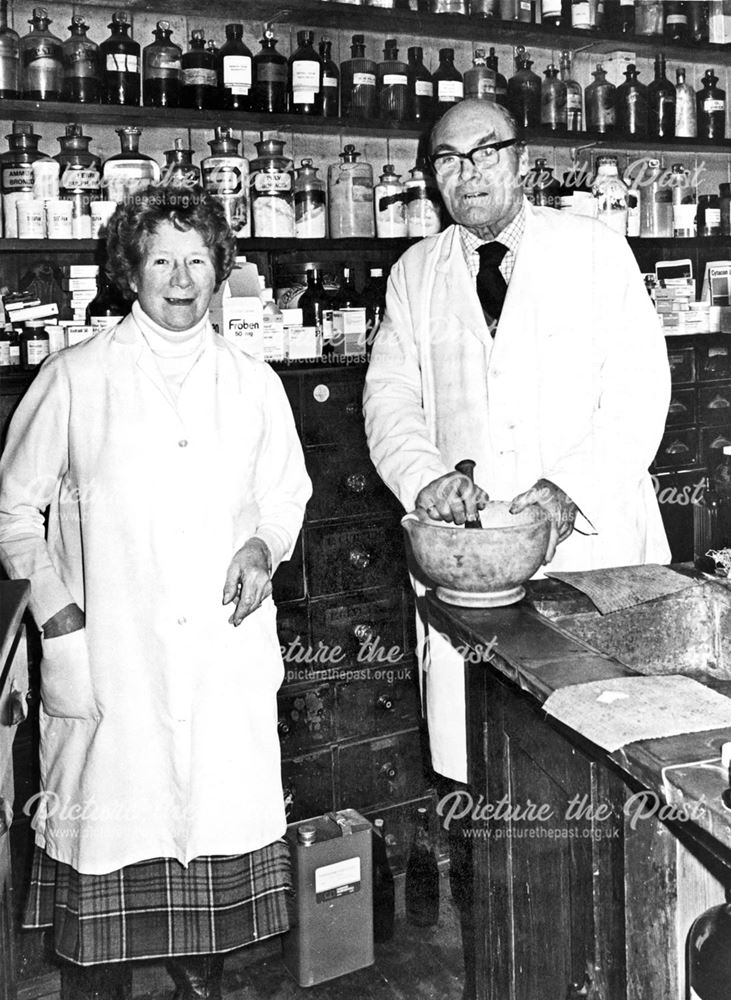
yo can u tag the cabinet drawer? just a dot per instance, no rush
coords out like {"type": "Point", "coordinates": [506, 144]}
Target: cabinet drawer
{"type": "Point", "coordinates": [346, 558]}
{"type": "Point", "coordinates": [677, 448]}
{"type": "Point", "coordinates": [308, 785]}
{"type": "Point", "coordinates": [386, 701]}
{"type": "Point", "coordinates": [288, 583]}
{"type": "Point", "coordinates": [682, 365]}
{"type": "Point", "coordinates": [380, 771]}
{"type": "Point", "coordinates": [714, 361]}
{"type": "Point", "coordinates": [713, 441]}
{"type": "Point", "coordinates": [714, 405]}
{"type": "Point", "coordinates": [682, 408]}
{"type": "Point", "coordinates": [366, 628]}
{"type": "Point", "coordinates": [291, 385]}
{"type": "Point", "coordinates": [345, 483]}
{"type": "Point", "coordinates": [306, 719]}
{"type": "Point", "coordinates": [332, 407]}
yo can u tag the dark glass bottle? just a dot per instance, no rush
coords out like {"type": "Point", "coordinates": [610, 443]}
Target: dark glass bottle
{"type": "Point", "coordinates": [120, 58]}
{"type": "Point", "coordinates": [358, 83]}
{"type": "Point", "coordinates": [374, 298]}
{"type": "Point", "coordinates": [199, 78]}
{"type": "Point", "coordinates": [234, 70]}
{"type": "Point", "coordinates": [546, 190]}
{"type": "Point", "coordinates": [81, 68]}
{"type": "Point", "coordinates": [709, 953]}
{"type": "Point", "coordinates": [34, 344]}
{"type": "Point", "coordinates": [9, 57]}
{"type": "Point", "coordinates": [80, 177]}
{"type": "Point", "coordinates": [162, 69]}
{"type": "Point", "coordinates": [553, 101]}
{"type": "Point", "coordinates": [330, 82]}
{"type": "Point", "coordinates": [347, 296]}
{"type": "Point", "coordinates": [600, 99]}
{"type": "Point", "coordinates": [698, 22]}
{"type": "Point", "coordinates": [422, 876]}
{"type": "Point", "coordinates": [269, 68]}
{"type": "Point", "coordinates": [631, 100]}
{"type": "Point", "coordinates": [392, 83]}
{"type": "Point", "coordinates": [711, 108]}
{"type": "Point", "coordinates": [107, 307]}
{"type": "Point", "coordinates": [524, 92]}
{"type": "Point", "coordinates": [448, 82]}
{"type": "Point", "coordinates": [626, 18]}
{"type": "Point", "coordinates": [421, 87]}
{"type": "Point", "coordinates": [501, 84]}
{"type": "Point", "coordinates": [526, 11]}
{"type": "Point", "coordinates": [305, 73]}
{"type": "Point", "coordinates": [574, 95]}
{"type": "Point", "coordinates": [383, 887]}
{"type": "Point", "coordinates": [552, 14]}
{"type": "Point", "coordinates": [314, 300]}
{"type": "Point", "coordinates": [179, 169]}
{"type": "Point", "coordinates": [660, 104]}
{"type": "Point", "coordinates": [41, 58]}
{"type": "Point", "coordinates": [676, 22]}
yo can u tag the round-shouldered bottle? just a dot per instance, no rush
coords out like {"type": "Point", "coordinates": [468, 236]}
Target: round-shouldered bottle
{"type": "Point", "coordinates": [120, 58]}
{"type": "Point", "coordinates": [107, 307]}
{"type": "Point", "coordinates": [16, 172]}
{"type": "Point", "coordinates": [479, 80]}
{"type": "Point", "coordinates": [421, 87]}
{"type": "Point", "coordinates": [41, 58]}
{"type": "Point", "coordinates": [631, 104]}
{"type": "Point", "coordinates": [350, 196]}
{"type": "Point", "coordinates": [81, 66]}
{"type": "Point", "coordinates": [310, 203]}
{"type": "Point", "coordinates": [9, 57]}
{"type": "Point", "coordinates": [179, 169]}
{"type": "Point", "coordinates": [501, 84]}
{"type": "Point", "coordinates": [709, 953]}
{"type": "Point", "coordinates": [711, 108]}
{"type": "Point", "coordinates": [448, 82]}
{"type": "Point", "coordinates": [524, 92]}
{"type": "Point", "coordinates": [80, 178]}
{"type": "Point", "coordinates": [392, 83]}
{"type": "Point", "coordinates": [554, 113]}
{"type": "Point", "coordinates": [358, 83]}
{"type": "Point", "coordinates": [676, 21]}
{"type": "Point", "coordinates": [660, 103]}
{"type": "Point", "coordinates": [600, 98]}
{"type": "Point", "coordinates": [269, 69]}
{"type": "Point", "coordinates": [389, 200]}
{"type": "Point", "coordinates": [235, 70]}
{"type": "Point", "coordinates": [686, 122]}
{"type": "Point", "coordinates": [162, 69]}
{"type": "Point", "coordinates": [422, 876]}
{"type": "Point", "coordinates": [574, 95]}
{"type": "Point", "coordinates": [423, 204]}
{"type": "Point", "coordinates": [330, 82]}
{"type": "Point", "coordinates": [272, 191]}
{"type": "Point", "coordinates": [199, 77]}
{"type": "Point", "coordinates": [127, 171]}
{"type": "Point", "coordinates": [305, 72]}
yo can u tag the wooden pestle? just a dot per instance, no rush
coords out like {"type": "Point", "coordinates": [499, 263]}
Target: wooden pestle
{"type": "Point", "coordinates": [467, 468]}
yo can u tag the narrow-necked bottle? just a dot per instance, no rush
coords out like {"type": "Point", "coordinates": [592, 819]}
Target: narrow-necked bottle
{"type": "Point", "coordinates": [16, 172]}
{"type": "Point", "coordinates": [81, 67]}
{"type": "Point", "coordinates": [501, 84]}
{"type": "Point", "coordinates": [41, 57]}
{"type": "Point", "coordinates": [448, 82]}
{"type": "Point", "coordinates": [358, 83]}
{"type": "Point", "coordinates": [711, 108]}
{"type": "Point", "coordinates": [80, 178]}
{"type": "Point", "coordinates": [179, 169]}
{"type": "Point", "coordinates": [479, 80]}
{"type": "Point", "coordinates": [162, 69]}
{"type": "Point", "coordinates": [553, 101]}
{"type": "Point", "coordinates": [383, 886]}
{"type": "Point", "coordinates": [107, 307]}
{"type": "Point", "coordinates": [676, 21]}
{"type": "Point", "coordinates": [709, 953]}
{"type": "Point", "coordinates": [685, 202]}
{"type": "Point", "coordinates": [120, 56]}
{"type": "Point", "coordinates": [698, 22]}
{"type": "Point", "coordinates": [422, 876]}
{"type": "Point", "coordinates": [390, 205]}
{"type": "Point", "coordinates": [269, 88]}
{"type": "Point", "coordinates": [127, 171]}
{"type": "Point", "coordinates": [660, 104]}
{"type": "Point", "coordinates": [374, 297]}
{"type": "Point", "coordinates": [524, 91]}
{"type": "Point", "coordinates": [310, 203]}
{"type": "Point", "coordinates": [546, 189]}
{"type": "Point", "coordinates": [631, 101]}
{"type": "Point", "coordinates": [330, 83]}
{"type": "Point", "coordinates": [625, 24]}
{"type": "Point", "coordinates": [314, 300]}
{"type": "Point", "coordinates": [600, 99]}
{"type": "Point", "coordinates": [392, 83]}
{"type": "Point", "coordinates": [685, 108]}
{"type": "Point", "coordinates": [350, 196]}
{"type": "Point", "coordinates": [226, 175]}
{"type": "Point", "coordinates": [305, 71]}
{"type": "Point", "coordinates": [574, 95]}
{"type": "Point", "coordinates": [199, 78]}
{"type": "Point", "coordinates": [421, 87]}
{"type": "Point", "coordinates": [9, 57]}
{"type": "Point", "coordinates": [234, 69]}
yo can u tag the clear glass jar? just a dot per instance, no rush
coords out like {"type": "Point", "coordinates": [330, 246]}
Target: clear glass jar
{"type": "Point", "coordinates": [350, 193]}
{"type": "Point", "coordinates": [610, 193]}
{"type": "Point", "coordinates": [226, 175]}
{"type": "Point", "coordinates": [423, 205]}
{"type": "Point", "coordinates": [310, 208]}
{"type": "Point", "coordinates": [9, 57]}
{"type": "Point", "coordinates": [656, 205]}
{"type": "Point", "coordinates": [272, 191]}
{"type": "Point", "coordinates": [390, 205]}
{"type": "Point", "coordinates": [649, 17]}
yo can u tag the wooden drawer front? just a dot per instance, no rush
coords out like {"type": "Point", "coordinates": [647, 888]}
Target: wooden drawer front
{"type": "Point", "coordinates": [367, 630]}
{"type": "Point", "coordinates": [13, 691]}
{"type": "Point", "coordinates": [345, 558]}
{"type": "Point", "coordinates": [288, 583]}
{"type": "Point", "coordinates": [679, 495]}
{"type": "Point", "coordinates": [293, 630]}
{"type": "Point", "coordinates": [291, 385]}
{"type": "Point", "coordinates": [713, 441]}
{"type": "Point", "coordinates": [308, 786]}
{"type": "Point", "coordinates": [714, 361]}
{"type": "Point", "coordinates": [682, 408]}
{"type": "Point", "coordinates": [332, 408]}
{"type": "Point", "coordinates": [400, 823]}
{"type": "Point", "coordinates": [682, 365]}
{"type": "Point", "coordinates": [714, 405]}
{"type": "Point", "coordinates": [678, 448]}
{"type": "Point", "coordinates": [306, 719]}
{"type": "Point", "coordinates": [380, 771]}
{"type": "Point", "coordinates": [386, 701]}
{"type": "Point", "coordinates": [345, 484]}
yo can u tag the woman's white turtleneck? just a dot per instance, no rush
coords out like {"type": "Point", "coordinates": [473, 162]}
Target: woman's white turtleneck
{"type": "Point", "coordinates": [176, 351]}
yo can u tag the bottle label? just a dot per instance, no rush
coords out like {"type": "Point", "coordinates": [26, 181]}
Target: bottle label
{"type": "Point", "coordinates": [4, 353]}
{"type": "Point", "coordinates": [676, 19]}
{"type": "Point", "coordinates": [424, 88]}
{"type": "Point", "coordinates": [713, 217]}
{"type": "Point", "coordinates": [78, 178]}
{"type": "Point", "coordinates": [18, 178]}
{"type": "Point", "coordinates": [395, 80]}
{"type": "Point", "coordinates": [362, 189]}
{"type": "Point", "coordinates": [329, 81]}
{"type": "Point", "coordinates": [551, 8]}
{"type": "Point", "coordinates": [36, 351]}
{"type": "Point", "coordinates": [237, 74]}
{"type": "Point", "coordinates": [199, 76]}
{"type": "Point", "coordinates": [573, 100]}
{"type": "Point", "coordinates": [124, 177]}
{"type": "Point", "coordinates": [273, 181]}
{"type": "Point", "coordinates": [712, 104]}
{"type": "Point", "coordinates": [270, 72]}
{"type": "Point", "coordinates": [483, 88]}
{"type": "Point", "coordinates": [44, 75]}
{"type": "Point", "coordinates": [43, 51]}
{"type": "Point", "coordinates": [162, 64]}
{"type": "Point", "coordinates": [82, 68]}
{"type": "Point", "coordinates": [223, 175]}
{"type": "Point", "coordinates": [450, 90]}
{"type": "Point", "coordinates": [121, 62]}
{"type": "Point", "coordinates": [580, 14]}
{"type": "Point", "coordinates": [339, 879]}
{"type": "Point", "coordinates": [364, 79]}
{"type": "Point", "coordinates": [305, 81]}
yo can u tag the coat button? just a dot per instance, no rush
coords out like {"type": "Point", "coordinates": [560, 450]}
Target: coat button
{"type": "Point", "coordinates": [182, 443]}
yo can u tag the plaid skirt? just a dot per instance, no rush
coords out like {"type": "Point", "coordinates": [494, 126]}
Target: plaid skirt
{"type": "Point", "coordinates": [158, 908]}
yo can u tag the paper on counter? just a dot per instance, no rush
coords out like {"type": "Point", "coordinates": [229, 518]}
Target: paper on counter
{"type": "Point", "coordinates": [647, 708]}
{"type": "Point", "coordinates": [619, 587]}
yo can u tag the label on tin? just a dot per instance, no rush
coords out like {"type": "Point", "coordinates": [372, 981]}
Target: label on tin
{"type": "Point", "coordinates": [237, 74]}
{"type": "Point", "coordinates": [339, 879]}
{"type": "Point", "coordinates": [580, 14]}
{"type": "Point", "coordinates": [122, 62]}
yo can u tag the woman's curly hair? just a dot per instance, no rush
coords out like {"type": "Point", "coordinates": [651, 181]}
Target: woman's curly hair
{"type": "Point", "coordinates": [186, 207]}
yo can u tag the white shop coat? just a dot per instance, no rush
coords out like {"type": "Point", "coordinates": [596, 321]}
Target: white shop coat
{"type": "Point", "coordinates": [158, 720]}
{"type": "Point", "coordinates": [574, 388]}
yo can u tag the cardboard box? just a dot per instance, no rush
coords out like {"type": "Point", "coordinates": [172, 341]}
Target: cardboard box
{"type": "Point", "coordinates": [237, 312]}
{"type": "Point", "coordinates": [303, 342]}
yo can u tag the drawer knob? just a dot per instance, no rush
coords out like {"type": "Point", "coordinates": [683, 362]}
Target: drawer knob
{"type": "Point", "coordinates": [282, 729]}
{"type": "Point", "coordinates": [6, 816]}
{"type": "Point", "coordinates": [364, 632]}
{"type": "Point", "coordinates": [356, 482]}
{"type": "Point", "coordinates": [352, 408]}
{"type": "Point", "coordinates": [359, 558]}
{"type": "Point", "coordinates": [676, 448]}
{"type": "Point", "coordinates": [719, 403]}
{"type": "Point", "coordinates": [389, 771]}
{"type": "Point", "coordinates": [385, 702]}
{"type": "Point", "coordinates": [677, 407]}
{"type": "Point", "coordinates": [720, 442]}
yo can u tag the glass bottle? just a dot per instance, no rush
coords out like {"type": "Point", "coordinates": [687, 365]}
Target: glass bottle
{"type": "Point", "coordinates": [41, 59]}
{"type": "Point", "coordinates": [129, 170]}
{"type": "Point", "coordinates": [225, 174]}
{"type": "Point", "coordinates": [656, 205]}
{"type": "Point", "coordinates": [374, 297]}
{"type": "Point", "coordinates": [330, 84]}
{"type": "Point", "coordinates": [107, 307]}
{"type": "Point", "coordinates": [16, 172]}
{"type": "Point", "coordinates": [576, 194]}
{"type": "Point", "coordinates": [546, 189]}
{"type": "Point", "coordinates": [698, 12]}
{"type": "Point", "coordinates": [660, 103]}
{"type": "Point", "coordinates": [527, 11]}
{"type": "Point", "coordinates": [724, 201]}
{"type": "Point", "coordinates": [708, 219]}
{"type": "Point", "coordinates": [626, 24]}
{"type": "Point", "coordinates": [383, 886]}
{"type": "Point", "coordinates": [269, 69]}
{"type": "Point", "coordinates": [422, 876]}
{"type": "Point", "coordinates": [81, 67]}
{"type": "Point", "coordinates": [350, 196]}
{"type": "Point", "coordinates": [649, 17]}
{"type": "Point", "coordinates": [610, 193]}
{"type": "Point", "coordinates": [314, 300]}
{"type": "Point", "coordinates": [423, 204]}
{"type": "Point", "coordinates": [6, 340]}
{"type": "Point", "coordinates": [524, 92]}
{"type": "Point", "coordinates": [448, 82]}
{"type": "Point", "coordinates": [162, 69]}
{"type": "Point", "coordinates": [9, 57]}
{"type": "Point", "coordinates": [711, 108]}
{"type": "Point", "coordinates": [574, 95]}
{"type": "Point", "coordinates": [635, 197]}
{"type": "Point", "coordinates": [552, 14]}
{"type": "Point", "coordinates": [553, 101]}
{"type": "Point", "coordinates": [631, 104]}
{"type": "Point", "coordinates": [685, 108]}
{"type": "Point", "coordinates": [234, 70]}
{"type": "Point", "coordinates": [358, 83]}
{"type": "Point", "coordinates": [179, 169]}
{"type": "Point", "coordinates": [34, 343]}
{"type": "Point", "coordinates": [272, 191]}
{"type": "Point", "coordinates": [310, 203]}
{"type": "Point", "coordinates": [685, 202]}
{"type": "Point", "coordinates": [600, 99]}
{"type": "Point", "coordinates": [392, 84]}
{"type": "Point", "coordinates": [120, 58]}
{"type": "Point", "coordinates": [709, 953]}
{"type": "Point", "coordinates": [305, 71]}
{"type": "Point", "coordinates": [80, 178]}
{"type": "Point", "coordinates": [479, 80]}
{"type": "Point", "coordinates": [676, 22]}
{"type": "Point", "coordinates": [581, 18]}
{"type": "Point", "coordinates": [389, 200]}
{"type": "Point", "coordinates": [421, 87]}
{"type": "Point", "coordinates": [199, 77]}
{"type": "Point", "coordinates": [501, 84]}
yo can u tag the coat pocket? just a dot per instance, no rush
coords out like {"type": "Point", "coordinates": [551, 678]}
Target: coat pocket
{"type": "Point", "coordinates": [66, 689]}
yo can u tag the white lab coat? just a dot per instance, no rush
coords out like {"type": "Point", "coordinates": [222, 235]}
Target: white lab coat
{"type": "Point", "coordinates": [574, 388]}
{"type": "Point", "coordinates": [158, 720]}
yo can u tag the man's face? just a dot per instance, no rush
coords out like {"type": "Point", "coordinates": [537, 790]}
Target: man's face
{"type": "Point", "coordinates": [479, 197]}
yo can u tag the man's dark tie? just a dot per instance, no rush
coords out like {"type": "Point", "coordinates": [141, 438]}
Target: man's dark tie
{"type": "Point", "coordinates": [491, 286]}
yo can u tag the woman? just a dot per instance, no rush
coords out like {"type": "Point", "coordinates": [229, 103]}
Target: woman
{"type": "Point", "coordinates": [175, 483]}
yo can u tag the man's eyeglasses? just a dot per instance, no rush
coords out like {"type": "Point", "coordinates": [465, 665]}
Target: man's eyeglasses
{"type": "Point", "coordinates": [449, 162]}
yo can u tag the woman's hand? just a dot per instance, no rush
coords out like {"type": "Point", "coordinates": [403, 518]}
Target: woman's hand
{"type": "Point", "coordinates": [248, 579]}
